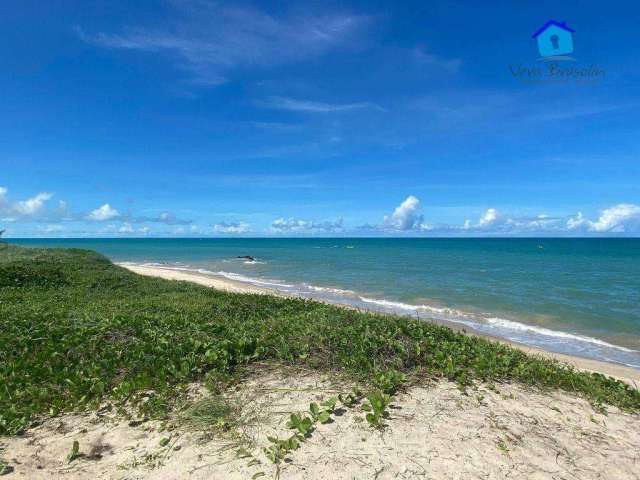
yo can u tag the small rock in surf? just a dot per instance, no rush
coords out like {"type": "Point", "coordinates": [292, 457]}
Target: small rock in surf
{"type": "Point", "coordinates": [246, 257]}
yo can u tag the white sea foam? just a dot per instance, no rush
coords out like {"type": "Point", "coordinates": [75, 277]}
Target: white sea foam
{"type": "Point", "coordinates": [255, 281]}
{"type": "Point", "coordinates": [415, 308]}
{"type": "Point", "coordinates": [454, 315]}
{"type": "Point", "coordinates": [337, 291]}
{"type": "Point", "coordinates": [504, 323]}
{"type": "Point", "coordinates": [390, 304]}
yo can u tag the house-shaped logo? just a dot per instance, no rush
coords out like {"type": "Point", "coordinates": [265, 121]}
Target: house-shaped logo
{"type": "Point", "coordinates": [554, 39]}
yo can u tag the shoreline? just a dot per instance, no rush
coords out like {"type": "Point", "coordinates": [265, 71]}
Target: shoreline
{"type": "Point", "coordinates": [621, 372]}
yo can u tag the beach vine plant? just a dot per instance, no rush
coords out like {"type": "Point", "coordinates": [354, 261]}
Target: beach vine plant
{"type": "Point", "coordinates": [303, 425]}
{"type": "Point", "coordinates": [377, 408]}
{"type": "Point", "coordinates": [77, 331]}
{"type": "Point", "coordinates": [74, 453]}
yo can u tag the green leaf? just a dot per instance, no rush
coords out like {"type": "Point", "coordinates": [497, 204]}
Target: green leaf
{"type": "Point", "coordinates": [74, 453]}
{"type": "Point", "coordinates": [324, 417]}
{"type": "Point", "coordinates": [330, 404]}
{"type": "Point", "coordinates": [5, 469]}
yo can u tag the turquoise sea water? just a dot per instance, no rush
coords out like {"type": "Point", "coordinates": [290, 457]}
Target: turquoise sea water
{"type": "Point", "coordinates": [576, 296]}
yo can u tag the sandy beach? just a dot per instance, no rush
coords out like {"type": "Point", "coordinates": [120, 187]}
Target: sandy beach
{"type": "Point", "coordinates": [434, 432]}
{"type": "Point", "coordinates": [433, 429]}
{"type": "Point", "coordinates": [627, 374]}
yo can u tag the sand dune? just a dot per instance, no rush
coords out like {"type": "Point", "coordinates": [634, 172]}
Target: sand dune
{"type": "Point", "coordinates": [434, 431]}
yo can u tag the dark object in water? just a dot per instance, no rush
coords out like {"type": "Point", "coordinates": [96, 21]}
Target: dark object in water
{"type": "Point", "coordinates": [246, 257]}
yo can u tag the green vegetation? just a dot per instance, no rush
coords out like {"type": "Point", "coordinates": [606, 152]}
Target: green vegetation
{"type": "Point", "coordinates": [303, 426]}
{"type": "Point", "coordinates": [74, 453]}
{"type": "Point", "coordinates": [377, 406]}
{"type": "Point", "coordinates": [76, 330]}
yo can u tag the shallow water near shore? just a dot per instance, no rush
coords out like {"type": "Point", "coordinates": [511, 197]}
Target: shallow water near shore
{"type": "Point", "coordinates": [573, 296]}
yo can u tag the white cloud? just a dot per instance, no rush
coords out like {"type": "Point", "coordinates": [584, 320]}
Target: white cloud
{"type": "Point", "coordinates": [231, 227]}
{"type": "Point", "coordinates": [103, 213]}
{"type": "Point", "coordinates": [293, 225]}
{"type": "Point", "coordinates": [309, 106]}
{"type": "Point", "coordinates": [542, 222]}
{"type": "Point", "coordinates": [126, 228]}
{"type": "Point", "coordinates": [290, 225]}
{"type": "Point", "coordinates": [621, 218]}
{"type": "Point", "coordinates": [30, 207]}
{"type": "Point", "coordinates": [143, 230]}
{"type": "Point", "coordinates": [211, 40]}
{"type": "Point", "coordinates": [577, 223]}
{"type": "Point", "coordinates": [490, 217]}
{"type": "Point", "coordinates": [406, 216]}
{"type": "Point", "coordinates": [493, 221]}
{"type": "Point", "coordinates": [329, 226]}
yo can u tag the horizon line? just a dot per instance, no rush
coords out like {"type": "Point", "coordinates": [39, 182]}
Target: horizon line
{"type": "Point", "coordinates": [281, 237]}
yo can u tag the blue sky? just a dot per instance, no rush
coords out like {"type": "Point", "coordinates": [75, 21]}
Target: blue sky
{"type": "Point", "coordinates": [193, 117]}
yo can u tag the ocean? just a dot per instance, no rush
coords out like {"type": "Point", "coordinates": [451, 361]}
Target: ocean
{"type": "Point", "coordinates": [573, 296]}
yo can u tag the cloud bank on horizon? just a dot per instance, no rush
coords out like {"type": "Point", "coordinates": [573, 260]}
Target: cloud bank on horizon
{"type": "Point", "coordinates": [407, 218]}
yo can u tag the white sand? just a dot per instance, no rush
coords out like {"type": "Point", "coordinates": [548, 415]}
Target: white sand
{"type": "Point", "coordinates": [208, 281]}
{"type": "Point", "coordinates": [434, 432]}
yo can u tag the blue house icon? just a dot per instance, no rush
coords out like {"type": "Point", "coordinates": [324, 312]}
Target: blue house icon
{"type": "Point", "coordinates": [554, 38]}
